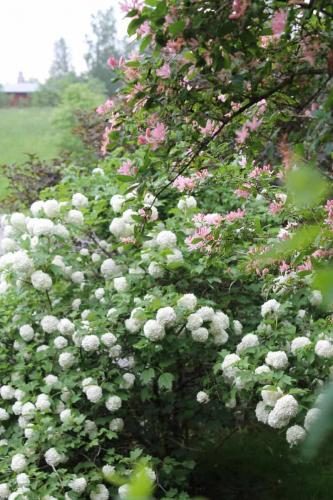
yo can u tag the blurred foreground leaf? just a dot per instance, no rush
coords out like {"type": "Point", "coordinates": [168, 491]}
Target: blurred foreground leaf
{"type": "Point", "coordinates": [306, 187]}
{"type": "Point", "coordinates": [322, 426]}
{"type": "Point", "coordinates": [323, 281]}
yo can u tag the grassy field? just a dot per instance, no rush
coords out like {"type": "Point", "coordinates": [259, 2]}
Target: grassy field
{"type": "Point", "coordinates": [26, 130]}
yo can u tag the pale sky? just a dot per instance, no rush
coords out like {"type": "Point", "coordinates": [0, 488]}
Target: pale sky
{"type": "Point", "coordinates": [29, 28]}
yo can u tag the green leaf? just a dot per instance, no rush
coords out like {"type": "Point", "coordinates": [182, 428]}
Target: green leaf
{"type": "Point", "coordinates": [165, 381]}
{"type": "Point", "coordinates": [147, 375]}
{"type": "Point", "coordinates": [323, 281]}
{"type": "Point", "coordinates": [4, 188]}
{"type": "Point", "coordinates": [306, 187]}
{"type": "Point", "coordinates": [177, 27]}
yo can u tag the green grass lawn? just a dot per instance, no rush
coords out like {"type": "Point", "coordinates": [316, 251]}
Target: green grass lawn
{"type": "Point", "coordinates": [26, 130]}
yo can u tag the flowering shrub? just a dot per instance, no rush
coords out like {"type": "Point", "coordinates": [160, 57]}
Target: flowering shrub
{"type": "Point", "coordinates": [167, 291]}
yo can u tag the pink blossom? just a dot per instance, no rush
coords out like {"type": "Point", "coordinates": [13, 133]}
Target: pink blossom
{"type": "Point", "coordinates": [202, 174]}
{"type": "Point", "coordinates": [128, 5]}
{"type": "Point", "coordinates": [127, 168]}
{"type": "Point", "coordinates": [242, 193]}
{"type": "Point", "coordinates": [307, 266]}
{"type": "Point", "coordinates": [242, 135]}
{"type": "Point", "coordinates": [284, 267]}
{"type": "Point", "coordinates": [254, 123]}
{"type": "Point", "coordinates": [104, 108]}
{"type": "Point", "coordinates": [128, 240]}
{"type": "Point", "coordinates": [148, 214]}
{"type": "Point", "coordinates": [210, 219]}
{"type": "Point", "coordinates": [232, 216]}
{"type": "Point", "coordinates": [154, 137]}
{"type": "Point", "coordinates": [183, 183]}
{"type": "Point", "coordinates": [144, 29]}
{"type": "Point", "coordinates": [222, 97]}
{"type": "Point", "coordinates": [275, 208]}
{"type": "Point", "coordinates": [174, 46]}
{"type": "Point", "coordinates": [112, 62]}
{"type": "Point", "coordinates": [209, 129]}
{"type": "Point", "coordinates": [279, 21]}
{"type": "Point", "coordinates": [257, 171]}
{"type": "Point", "coordinates": [164, 72]}
{"type": "Point", "coordinates": [238, 8]}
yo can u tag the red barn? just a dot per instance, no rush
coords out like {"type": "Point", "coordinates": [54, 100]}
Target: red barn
{"type": "Point", "coordinates": [20, 92]}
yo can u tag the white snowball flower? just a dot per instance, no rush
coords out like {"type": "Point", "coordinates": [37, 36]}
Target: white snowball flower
{"type": "Point", "coordinates": [123, 491]}
{"type": "Point", "coordinates": [65, 416]}
{"type": "Point", "coordinates": [49, 324]}
{"type": "Point", "coordinates": [262, 369]}
{"type": "Point", "coordinates": [262, 412]}
{"type": "Point", "coordinates": [277, 359]}
{"type": "Point", "coordinates": [18, 463]}
{"type": "Point", "coordinates": [94, 393]}
{"type": "Point", "coordinates": [108, 339]}
{"type": "Point", "coordinates": [18, 220]}
{"type": "Point", "coordinates": [128, 380]}
{"type": "Point", "coordinates": [187, 202]}
{"type": "Point", "coordinates": [295, 434]}
{"type": "Point", "coordinates": [76, 304]}
{"type": "Point", "coordinates": [324, 349]}
{"type": "Point", "coordinates": [228, 368]}
{"type": "Point", "coordinates": [166, 239]}
{"type": "Point", "coordinates": [175, 256]}
{"type": "Point", "coordinates": [153, 330]}
{"type": "Point", "coordinates": [28, 410]}
{"type": "Point", "coordinates": [133, 325]}
{"type": "Point", "coordinates": [108, 470]}
{"type": "Point", "coordinates": [120, 284]}
{"type": "Point", "coordinates": [78, 484]}
{"type": "Point", "coordinates": [113, 403]}
{"type": "Point", "coordinates": [109, 268]}
{"type": "Point", "coordinates": [61, 231]}
{"type": "Point", "coordinates": [27, 333]}
{"type": "Point", "coordinates": [51, 379]}
{"type": "Point", "coordinates": [311, 417]}
{"type": "Point", "coordinates": [115, 351]}
{"type": "Point", "coordinates": [248, 341]}
{"type": "Point", "coordinates": [17, 408]}
{"type": "Point", "coordinates": [60, 342]}
{"type": "Point", "coordinates": [90, 343]}
{"type": "Point", "coordinates": [269, 307]}
{"type": "Point", "coordinates": [22, 479]}
{"type": "Point", "coordinates": [116, 425]}
{"type": "Point", "coordinates": [220, 338]}
{"type": "Point", "coordinates": [75, 217]}
{"type": "Point", "coordinates": [4, 415]}
{"type": "Point", "coordinates": [206, 313]}
{"type": "Point", "coordinates": [166, 316]}
{"type": "Point", "coordinates": [202, 397]}
{"type": "Point", "coordinates": [238, 327]}
{"type": "Point", "coordinates": [316, 298]}
{"type": "Point", "coordinates": [99, 293]}
{"type": "Point", "coordinates": [284, 410]}
{"type": "Point", "coordinates": [117, 202]}
{"type": "Point", "coordinates": [188, 302]}
{"type": "Point", "coordinates": [95, 257]}
{"type": "Point", "coordinates": [66, 327]}
{"type": "Point", "coordinates": [51, 208]}
{"type": "Point", "coordinates": [52, 457]}
{"type": "Point", "coordinates": [8, 245]}
{"type": "Point", "coordinates": [299, 343]}
{"type": "Point", "coordinates": [37, 208]}
{"type": "Point", "coordinates": [7, 392]}
{"type": "Point", "coordinates": [98, 171]}
{"type": "Point", "coordinates": [77, 277]}
{"type": "Point", "coordinates": [41, 281]}
{"type": "Point", "coordinates": [155, 270]}
{"type": "Point", "coordinates": [194, 321]}
{"type": "Point", "coordinates": [270, 395]}
{"type": "Point", "coordinates": [4, 491]}
{"type": "Point", "coordinates": [99, 493]}
{"type": "Point", "coordinates": [200, 334]}
{"type": "Point", "coordinates": [43, 402]}
{"type": "Point", "coordinates": [80, 201]}
{"type": "Point", "coordinates": [66, 360]}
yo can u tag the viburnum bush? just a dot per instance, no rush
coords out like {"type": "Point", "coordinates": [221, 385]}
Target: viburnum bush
{"type": "Point", "coordinates": [156, 299]}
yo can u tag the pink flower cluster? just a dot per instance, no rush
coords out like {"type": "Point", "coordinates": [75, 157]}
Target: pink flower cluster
{"type": "Point", "coordinates": [113, 63]}
{"type": "Point", "coordinates": [251, 125]}
{"type": "Point", "coordinates": [105, 107]}
{"type": "Point", "coordinates": [164, 71]}
{"type": "Point", "coordinates": [127, 5]}
{"type": "Point", "coordinates": [279, 20]}
{"type": "Point", "coordinates": [127, 168]}
{"type": "Point", "coordinates": [257, 171]}
{"type": "Point", "coordinates": [201, 240]}
{"type": "Point", "coordinates": [238, 8]}
{"type": "Point", "coordinates": [329, 210]}
{"type": "Point", "coordinates": [112, 125]}
{"type": "Point", "coordinates": [235, 215]}
{"type": "Point", "coordinates": [209, 129]}
{"type": "Point", "coordinates": [154, 137]}
{"type": "Point", "coordinates": [189, 183]}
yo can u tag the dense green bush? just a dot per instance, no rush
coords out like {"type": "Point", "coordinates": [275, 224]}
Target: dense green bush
{"type": "Point", "coordinates": [159, 301]}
